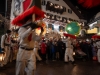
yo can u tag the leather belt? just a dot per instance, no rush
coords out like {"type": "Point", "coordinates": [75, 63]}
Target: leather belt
{"type": "Point", "coordinates": [7, 44]}
{"type": "Point", "coordinates": [29, 49]}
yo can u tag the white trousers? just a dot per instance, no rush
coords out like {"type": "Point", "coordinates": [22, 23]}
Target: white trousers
{"type": "Point", "coordinates": [36, 54]}
{"type": "Point", "coordinates": [98, 55]}
{"type": "Point", "coordinates": [57, 55]}
{"type": "Point", "coordinates": [26, 62]}
{"type": "Point", "coordinates": [69, 54]}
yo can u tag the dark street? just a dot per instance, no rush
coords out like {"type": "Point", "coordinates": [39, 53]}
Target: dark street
{"type": "Point", "coordinates": [59, 68]}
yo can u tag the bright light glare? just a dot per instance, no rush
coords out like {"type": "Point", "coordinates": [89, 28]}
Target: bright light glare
{"type": "Point", "coordinates": [69, 28]}
{"type": "Point", "coordinates": [98, 33]}
{"type": "Point", "coordinates": [73, 53]}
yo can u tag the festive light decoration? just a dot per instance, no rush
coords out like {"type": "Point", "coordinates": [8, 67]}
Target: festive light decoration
{"type": "Point", "coordinates": [53, 34]}
{"type": "Point", "coordinates": [55, 7]}
{"type": "Point", "coordinates": [61, 19]}
{"type": "Point", "coordinates": [73, 53]}
{"type": "Point", "coordinates": [73, 28]}
{"type": "Point", "coordinates": [38, 30]}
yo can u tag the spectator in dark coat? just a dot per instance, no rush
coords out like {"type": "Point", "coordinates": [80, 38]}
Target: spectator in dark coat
{"type": "Point", "coordinates": [43, 50]}
{"type": "Point", "coordinates": [60, 48]}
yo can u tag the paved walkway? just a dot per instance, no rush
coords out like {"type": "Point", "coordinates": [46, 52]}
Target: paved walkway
{"type": "Point", "coordinates": [59, 68]}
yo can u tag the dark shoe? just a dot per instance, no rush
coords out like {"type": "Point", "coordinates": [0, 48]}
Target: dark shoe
{"type": "Point", "coordinates": [74, 63]}
{"type": "Point", "coordinates": [3, 68]}
{"type": "Point", "coordinates": [66, 62]}
{"type": "Point", "coordinates": [98, 63]}
{"type": "Point", "coordinates": [84, 60]}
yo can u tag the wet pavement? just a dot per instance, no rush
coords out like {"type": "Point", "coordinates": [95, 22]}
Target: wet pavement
{"type": "Point", "coordinates": [58, 68]}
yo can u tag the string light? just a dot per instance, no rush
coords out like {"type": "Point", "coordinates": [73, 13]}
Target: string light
{"type": "Point", "coordinates": [51, 4]}
{"type": "Point", "coordinates": [79, 23]}
{"type": "Point", "coordinates": [45, 15]}
{"type": "Point", "coordinates": [48, 16]}
{"type": "Point", "coordinates": [69, 28]}
{"type": "Point", "coordinates": [61, 7]}
{"type": "Point", "coordinates": [68, 21]}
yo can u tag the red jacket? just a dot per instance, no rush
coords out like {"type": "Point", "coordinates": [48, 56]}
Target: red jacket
{"type": "Point", "coordinates": [43, 48]}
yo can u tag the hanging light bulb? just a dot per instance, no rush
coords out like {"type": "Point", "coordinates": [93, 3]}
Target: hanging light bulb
{"type": "Point", "coordinates": [45, 15]}
{"type": "Point", "coordinates": [52, 17]}
{"type": "Point", "coordinates": [57, 6]}
{"type": "Point", "coordinates": [73, 53]}
{"type": "Point", "coordinates": [48, 16]}
{"type": "Point", "coordinates": [51, 4]}
{"type": "Point", "coordinates": [79, 23]}
{"type": "Point", "coordinates": [83, 24]}
{"type": "Point", "coordinates": [64, 20]}
{"type": "Point", "coordinates": [64, 37]}
{"type": "Point", "coordinates": [68, 21]}
{"type": "Point", "coordinates": [61, 7]}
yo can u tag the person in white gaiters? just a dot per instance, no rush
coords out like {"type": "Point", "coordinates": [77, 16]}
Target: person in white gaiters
{"type": "Point", "coordinates": [69, 50]}
{"type": "Point", "coordinates": [28, 20]}
{"type": "Point", "coordinates": [26, 60]}
{"type": "Point", "coordinates": [98, 48]}
{"type": "Point", "coordinates": [36, 48]}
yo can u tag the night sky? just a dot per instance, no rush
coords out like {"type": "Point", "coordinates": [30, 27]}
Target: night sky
{"type": "Point", "coordinates": [2, 7]}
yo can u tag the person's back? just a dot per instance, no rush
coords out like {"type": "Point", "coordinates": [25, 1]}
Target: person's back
{"type": "Point", "coordinates": [43, 48]}
{"type": "Point", "coordinates": [26, 53]}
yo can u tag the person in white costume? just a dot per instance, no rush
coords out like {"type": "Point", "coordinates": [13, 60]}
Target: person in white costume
{"type": "Point", "coordinates": [26, 60]}
{"type": "Point", "coordinates": [36, 48]}
{"type": "Point", "coordinates": [5, 46]}
{"type": "Point", "coordinates": [98, 52]}
{"type": "Point", "coordinates": [69, 50]}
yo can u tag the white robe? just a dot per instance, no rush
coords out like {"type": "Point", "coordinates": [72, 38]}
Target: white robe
{"type": "Point", "coordinates": [36, 48]}
{"type": "Point", "coordinates": [26, 60]}
{"type": "Point", "coordinates": [69, 50]}
{"type": "Point", "coordinates": [98, 52]}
